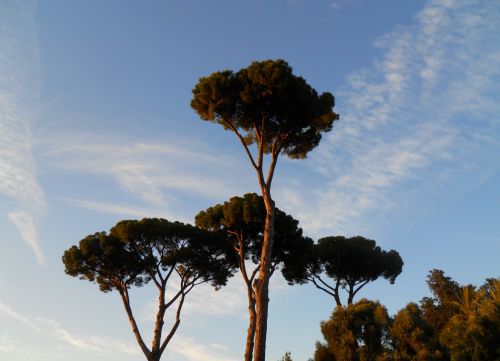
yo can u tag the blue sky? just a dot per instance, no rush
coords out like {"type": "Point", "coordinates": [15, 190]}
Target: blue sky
{"type": "Point", "coordinates": [95, 127]}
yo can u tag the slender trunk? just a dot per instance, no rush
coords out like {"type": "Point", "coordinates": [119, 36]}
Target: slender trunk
{"type": "Point", "coordinates": [251, 326]}
{"type": "Point", "coordinates": [177, 322]}
{"type": "Point", "coordinates": [135, 329]}
{"type": "Point", "coordinates": [159, 321]}
{"type": "Point", "coordinates": [262, 287]}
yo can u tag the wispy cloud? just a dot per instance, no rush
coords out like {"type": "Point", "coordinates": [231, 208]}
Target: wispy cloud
{"type": "Point", "coordinates": [19, 83]}
{"type": "Point", "coordinates": [104, 345]}
{"type": "Point", "coordinates": [156, 173]}
{"type": "Point", "coordinates": [195, 351]}
{"type": "Point", "coordinates": [93, 343]}
{"type": "Point", "coordinates": [413, 124]}
{"type": "Point", "coordinates": [125, 210]}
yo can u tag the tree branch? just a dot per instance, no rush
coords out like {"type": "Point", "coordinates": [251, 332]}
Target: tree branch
{"type": "Point", "coordinates": [270, 173]}
{"type": "Point", "coordinates": [326, 284]}
{"type": "Point", "coordinates": [175, 326]}
{"type": "Point", "coordinates": [360, 287]}
{"type": "Point", "coordinates": [242, 140]}
{"type": "Point", "coordinates": [254, 272]}
{"type": "Point", "coordinates": [321, 288]}
{"type": "Point", "coordinates": [135, 329]}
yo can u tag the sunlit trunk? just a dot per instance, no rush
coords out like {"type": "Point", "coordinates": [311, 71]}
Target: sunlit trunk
{"type": "Point", "coordinates": [155, 347]}
{"type": "Point", "coordinates": [133, 323]}
{"type": "Point", "coordinates": [262, 288]}
{"type": "Point", "coordinates": [251, 327]}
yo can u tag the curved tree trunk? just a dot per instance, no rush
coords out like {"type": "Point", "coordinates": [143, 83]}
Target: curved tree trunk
{"type": "Point", "coordinates": [262, 286]}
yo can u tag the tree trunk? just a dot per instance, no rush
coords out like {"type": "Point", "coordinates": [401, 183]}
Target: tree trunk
{"type": "Point", "coordinates": [251, 326]}
{"type": "Point", "coordinates": [135, 329]}
{"type": "Point", "coordinates": [262, 286]}
{"type": "Point", "coordinates": [154, 357]}
{"type": "Point", "coordinates": [155, 347]}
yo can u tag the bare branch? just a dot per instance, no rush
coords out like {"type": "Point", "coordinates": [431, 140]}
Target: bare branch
{"type": "Point", "coordinates": [320, 287]}
{"type": "Point", "coordinates": [254, 273]}
{"type": "Point", "coordinates": [360, 287]}
{"type": "Point", "coordinates": [175, 325]}
{"type": "Point", "coordinates": [242, 140]}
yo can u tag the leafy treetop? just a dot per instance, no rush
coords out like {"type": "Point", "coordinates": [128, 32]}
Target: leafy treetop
{"type": "Point", "coordinates": [242, 218]}
{"type": "Point", "coordinates": [136, 252]}
{"type": "Point", "coordinates": [269, 104]}
{"type": "Point", "coordinates": [350, 262]}
{"type": "Point", "coordinates": [357, 332]}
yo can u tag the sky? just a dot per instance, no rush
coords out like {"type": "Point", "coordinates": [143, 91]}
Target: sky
{"type": "Point", "coordinates": [96, 127]}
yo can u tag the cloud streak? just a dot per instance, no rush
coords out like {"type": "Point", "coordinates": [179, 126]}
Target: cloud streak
{"type": "Point", "coordinates": [93, 343]}
{"type": "Point", "coordinates": [413, 124]}
{"type": "Point", "coordinates": [194, 351]}
{"type": "Point", "coordinates": [125, 210]}
{"type": "Point", "coordinates": [19, 85]}
{"type": "Point", "coordinates": [157, 174]}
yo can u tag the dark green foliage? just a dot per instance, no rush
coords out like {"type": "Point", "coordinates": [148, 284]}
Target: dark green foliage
{"type": "Point", "coordinates": [350, 262]}
{"type": "Point", "coordinates": [357, 332]}
{"type": "Point", "coordinates": [134, 252]}
{"type": "Point", "coordinates": [242, 220]}
{"type": "Point", "coordinates": [266, 97]}
{"type": "Point", "coordinates": [105, 259]}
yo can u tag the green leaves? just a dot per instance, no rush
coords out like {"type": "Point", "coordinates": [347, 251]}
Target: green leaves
{"type": "Point", "coordinates": [350, 262]}
{"type": "Point", "coordinates": [136, 252]}
{"type": "Point", "coordinates": [266, 99]}
{"type": "Point", "coordinates": [356, 332]}
{"type": "Point", "coordinates": [466, 319]}
{"type": "Point", "coordinates": [245, 217]}
{"type": "Point", "coordinates": [357, 259]}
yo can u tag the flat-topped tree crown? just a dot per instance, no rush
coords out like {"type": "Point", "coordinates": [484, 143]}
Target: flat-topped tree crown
{"type": "Point", "coordinates": [266, 103]}
{"type": "Point", "coordinates": [350, 262]}
{"type": "Point", "coordinates": [358, 259]}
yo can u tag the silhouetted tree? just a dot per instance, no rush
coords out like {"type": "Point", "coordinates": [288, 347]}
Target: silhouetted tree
{"type": "Point", "coordinates": [242, 220]}
{"type": "Point", "coordinates": [267, 105]}
{"type": "Point", "coordinates": [135, 253]}
{"type": "Point", "coordinates": [350, 262]}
